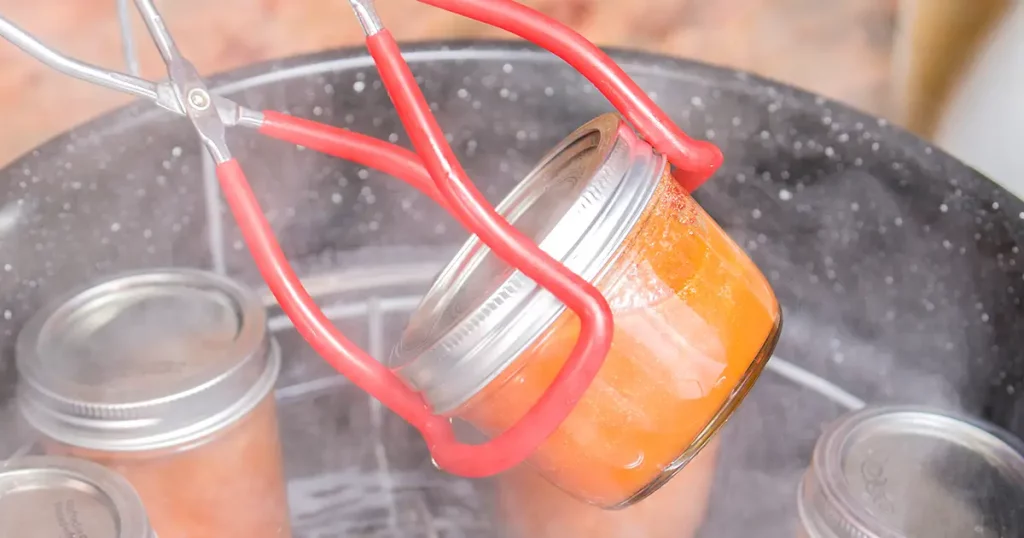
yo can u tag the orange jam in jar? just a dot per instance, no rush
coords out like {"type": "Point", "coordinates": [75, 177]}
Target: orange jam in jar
{"type": "Point", "coordinates": [695, 320]}
{"type": "Point", "coordinates": [167, 378]}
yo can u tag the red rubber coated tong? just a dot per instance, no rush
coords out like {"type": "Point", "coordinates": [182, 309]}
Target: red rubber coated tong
{"type": "Point", "coordinates": [434, 170]}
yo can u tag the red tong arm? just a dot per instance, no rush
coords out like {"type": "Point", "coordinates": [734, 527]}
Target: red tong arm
{"type": "Point", "coordinates": [435, 171]}
{"type": "Point", "coordinates": [351, 146]}
{"type": "Point", "coordinates": [472, 210]}
{"type": "Point", "coordinates": [352, 362]}
{"type": "Point", "coordinates": [493, 457]}
{"type": "Point", "coordinates": [695, 160]}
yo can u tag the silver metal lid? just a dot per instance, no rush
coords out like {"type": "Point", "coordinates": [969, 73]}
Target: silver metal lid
{"type": "Point", "coordinates": [908, 472]}
{"type": "Point", "coordinates": [578, 204]}
{"type": "Point", "coordinates": [145, 360]}
{"type": "Point", "coordinates": [48, 497]}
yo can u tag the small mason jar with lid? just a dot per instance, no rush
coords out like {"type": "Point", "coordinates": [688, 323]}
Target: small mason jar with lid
{"type": "Point", "coordinates": [47, 496]}
{"type": "Point", "coordinates": [695, 320]}
{"type": "Point", "coordinates": [166, 377]}
{"type": "Point", "coordinates": [913, 472]}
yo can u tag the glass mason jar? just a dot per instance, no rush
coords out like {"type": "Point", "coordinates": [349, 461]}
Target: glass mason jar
{"type": "Point", "coordinates": [531, 507]}
{"type": "Point", "coordinates": [906, 471]}
{"type": "Point", "coordinates": [43, 496]}
{"type": "Point", "coordinates": [167, 378]}
{"type": "Point", "coordinates": [695, 320]}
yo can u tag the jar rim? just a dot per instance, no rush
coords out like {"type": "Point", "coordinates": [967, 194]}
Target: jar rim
{"type": "Point", "coordinates": [578, 204]}
{"type": "Point", "coordinates": [61, 476]}
{"type": "Point", "coordinates": [145, 360]}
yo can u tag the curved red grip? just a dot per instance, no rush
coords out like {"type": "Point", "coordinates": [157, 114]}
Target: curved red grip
{"type": "Point", "coordinates": [519, 441]}
{"type": "Point", "coordinates": [497, 455]}
{"type": "Point", "coordinates": [435, 171]}
{"type": "Point", "coordinates": [352, 146]}
{"type": "Point", "coordinates": [309, 320]}
{"type": "Point", "coordinates": [469, 206]}
{"type": "Point", "coordinates": [695, 160]}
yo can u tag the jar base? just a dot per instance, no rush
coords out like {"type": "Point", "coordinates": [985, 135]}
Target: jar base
{"type": "Point", "coordinates": [719, 420]}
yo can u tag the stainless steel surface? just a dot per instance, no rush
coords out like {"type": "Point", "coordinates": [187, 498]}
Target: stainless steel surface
{"type": "Point", "coordinates": [158, 30]}
{"type": "Point", "coordinates": [163, 94]}
{"type": "Point", "coordinates": [899, 269]}
{"type": "Point", "coordinates": [579, 205]}
{"type": "Point", "coordinates": [145, 360]}
{"type": "Point", "coordinates": [45, 497]}
{"type": "Point", "coordinates": [193, 96]}
{"type": "Point", "coordinates": [69, 66]}
{"type": "Point", "coordinates": [367, 15]}
{"type": "Point", "coordinates": [237, 115]}
{"type": "Point", "coordinates": [124, 22]}
{"type": "Point", "coordinates": [913, 472]}
{"type": "Point", "coordinates": [186, 93]}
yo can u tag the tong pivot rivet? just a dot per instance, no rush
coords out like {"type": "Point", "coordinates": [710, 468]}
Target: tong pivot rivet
{"type": "Point", "coordinates": [199, 99]}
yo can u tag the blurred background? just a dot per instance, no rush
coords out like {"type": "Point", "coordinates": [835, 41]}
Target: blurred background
{"type": "Point", "coordinates": [901, 59]}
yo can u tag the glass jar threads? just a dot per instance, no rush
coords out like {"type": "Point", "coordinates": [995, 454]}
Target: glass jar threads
{"type": "Point", "coordinates": [166, 377]}
{"type": "Point", "coordinates": [695, 320]}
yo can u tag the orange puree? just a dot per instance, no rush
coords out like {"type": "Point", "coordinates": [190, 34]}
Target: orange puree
{"type": "Point", "coordinates": [695, 322]}
{"type": "Point", "coordinates": [230, 484]}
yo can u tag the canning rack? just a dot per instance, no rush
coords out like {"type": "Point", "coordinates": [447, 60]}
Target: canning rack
{"type": "Point", "coordinates": [434, 170]}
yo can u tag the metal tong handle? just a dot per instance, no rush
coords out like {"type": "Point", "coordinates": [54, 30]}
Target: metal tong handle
{"type": "Point", "coordinates": [71, 67]}
{"type": "Point", "coordinates": [193, 96]}
{"type": "Point", "coordinates": [163, 94]}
